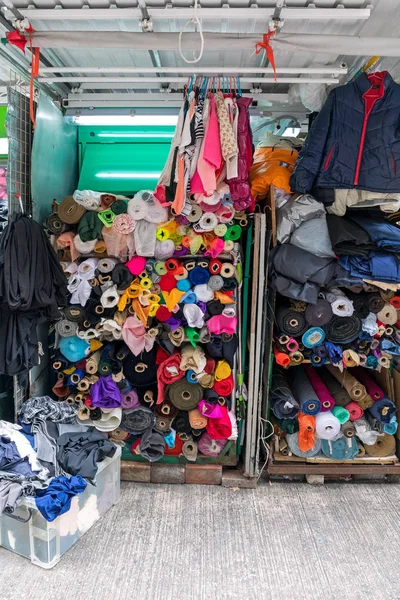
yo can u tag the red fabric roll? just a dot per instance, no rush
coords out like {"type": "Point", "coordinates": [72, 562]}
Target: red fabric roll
{"type": "Point", "coordinates": [210, 366]}
{"type": "Point", "coordinates": [172, 265]}
{"type": "Point", "coordinates": [225, 386]}
{"type": "Point", "coordinates": [220, 429]}
{"type": "Point", "coordinates": [161, 355]}
{"type": "Point", "coordinates": [163, 314]}
{"type": "Point", "coordinates": [168, 372]}
{"type": "Point", "coordinates": [215, 266]}
{"type": "Point", "coordinates": [167, 283]}
{"type": "Point", "coordinates": [356, 412]}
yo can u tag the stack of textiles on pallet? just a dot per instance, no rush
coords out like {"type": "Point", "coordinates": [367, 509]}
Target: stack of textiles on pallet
{"type": "Point", "coordinates": [336, 269]}
{"type": "Point", "coordinates": [147, 344]}
{"type": "Point", "coordinates": [48, 455]}
{"type": "Point", "coordinates": [327, 412]}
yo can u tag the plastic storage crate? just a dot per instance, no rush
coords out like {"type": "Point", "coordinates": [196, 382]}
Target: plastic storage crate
{"type": "Point", "coordinates": [27, 533]}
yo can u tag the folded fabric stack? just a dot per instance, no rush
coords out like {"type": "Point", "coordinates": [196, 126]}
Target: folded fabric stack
{"type": "Point", "coordinates": [326, 412]}
{"type": "Point", "coordinates": [49, 456]}
{"type": "Point", "coordinates": [147, 343]}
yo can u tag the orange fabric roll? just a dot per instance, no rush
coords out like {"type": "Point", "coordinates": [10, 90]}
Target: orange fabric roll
{"type": "Point", "coordinates": [306, 435]}
{"type": "Point", "coordinates": [281, 358]}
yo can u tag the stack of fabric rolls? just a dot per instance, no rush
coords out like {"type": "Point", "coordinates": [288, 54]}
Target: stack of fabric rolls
{"type": "Point", "coordinates": [146, 347]}
{"type": "Point", "coordinates": [336, 269]}
{"type": "Point", "coordinates": [327, 412]}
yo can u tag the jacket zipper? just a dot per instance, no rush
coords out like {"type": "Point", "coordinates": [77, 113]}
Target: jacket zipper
{"type": "Point", "coordinates": [328, 158]}
{"type": "Point", "coordinates": [362, 139]}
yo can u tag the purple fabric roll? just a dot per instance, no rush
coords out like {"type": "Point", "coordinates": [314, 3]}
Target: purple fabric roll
{"type": "Point", "coordinates": [130, 400]}
{"type": "Point", "coordinates": [174, 323]}
{"type": "Point", "coordinates": [105, 393]}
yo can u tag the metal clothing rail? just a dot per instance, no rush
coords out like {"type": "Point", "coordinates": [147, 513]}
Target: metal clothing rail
{"type": "Point", "coordinates": [330, 70]}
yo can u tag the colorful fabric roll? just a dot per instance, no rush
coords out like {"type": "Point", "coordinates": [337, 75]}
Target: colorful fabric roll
{"type": "Point", "coordinates": [341, 448]}
{"type": "Point", "coordinates": [304, 392]}
{"type": "Point", "coordinates": [326, 399]}
{"type": "Point", "coordinates": [382, 410]}
{"type": "Point", "coordinates": [290, 322]}
{"type": "Point", "coordinates": [313, 337]}
{"type": "Point", "coordinates": [197, 420]}
{"type": "Point", "coordinates": [220, 429]}
{"type": "Point", "coordinates": [340, 304]}
{"type": "Point", "coordinates": [306, 435]}
{"type": "Point", "coordinates": [356, 412]}
{"type": "Point", "coordinates": [341, 414]}
{"type": "Point", "coordinates": [327, 426]}
{"type": "Point", "coordinates": [353, 387]}
{"type": "Point", "coordinates": [348, 429]}
{"type": "Point", "coordinates": [372, 388]}
{"type": "Point", "coordinates": [105, 393]}
{"type": "Point", "coordinates": [90, 227]}
{"type": "Point", "coordinates": [69, 211]}
{"type": "Point", "coordinates": [387, 315]}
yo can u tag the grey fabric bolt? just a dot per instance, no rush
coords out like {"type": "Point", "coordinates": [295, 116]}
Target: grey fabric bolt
{"type": "Point", "coordinates": [152, 445]}
{"type": "Point", "coordinates": [137, 420]}
{"type": "Point", "coordinates": [215, 283]}
{"type": "Point", "coordinates": [66, 328]}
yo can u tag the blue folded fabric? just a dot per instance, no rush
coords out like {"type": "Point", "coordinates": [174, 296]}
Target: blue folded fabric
{"type": "Point", "coordinates": [383, 410]}
{"type": "Point", "coordinates": [382, 233]}
{"type": "Point", "coordinates": [378, 266]}
{"type": "Point", "coordinates": [335, 353]}
{"type": "Point", "coordinates": [55, 500]}
{"type": "Point", "coordinates": [390, 347]}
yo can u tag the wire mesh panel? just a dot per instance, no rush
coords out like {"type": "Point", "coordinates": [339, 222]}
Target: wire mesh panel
{"type": "Point", "coordinates": [20, 135]}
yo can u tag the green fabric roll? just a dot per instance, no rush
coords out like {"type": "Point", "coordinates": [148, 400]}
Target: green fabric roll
{"type": "Point", "coordinates": [341, 414]}
{"type": "Point", "coordinates": [90, 227]}
{"type": "Point", "coordinates": [185, 395]}
{"type": "Point", "coordinates": [288, 425]}
{"type": "Point", "coordinates": [119, 207]}
{"type": "Point", "coordinates": [104, 368]}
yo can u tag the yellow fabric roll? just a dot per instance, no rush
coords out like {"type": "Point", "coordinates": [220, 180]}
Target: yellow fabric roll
{"type": "Point", "coordinates": [222, 371]}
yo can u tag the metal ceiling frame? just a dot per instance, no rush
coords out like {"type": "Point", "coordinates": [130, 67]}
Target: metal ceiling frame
{"type": "Point", "coordinates": [333, 70]}
{"type": "Point", "coordinates": [113, 13]}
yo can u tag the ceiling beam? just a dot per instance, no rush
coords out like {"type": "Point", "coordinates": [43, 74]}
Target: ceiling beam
{"type": "Point", "coordinates": [329, 70]}
{"type": "Point", "coordinates": [159, 14]}
{"type": "Point", "coordinates": [127, 80]}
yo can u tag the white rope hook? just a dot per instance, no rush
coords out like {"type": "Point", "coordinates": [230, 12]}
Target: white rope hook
{"type": "Point", "coordinates": [196, 21]}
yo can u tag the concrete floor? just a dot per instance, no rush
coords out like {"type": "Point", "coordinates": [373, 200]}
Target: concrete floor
{"type": "Point", "coordinates": [281, 541]}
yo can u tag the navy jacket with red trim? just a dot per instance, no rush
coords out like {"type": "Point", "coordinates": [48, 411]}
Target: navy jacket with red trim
{"type": "Point", "coordinates": [355, 140]}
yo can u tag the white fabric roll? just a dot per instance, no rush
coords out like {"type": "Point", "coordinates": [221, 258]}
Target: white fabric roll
{"type": "Point", "coordinates": [341, 305]}
{"type": "Point", "coordinates": [327, 426]}
{"type": "Point", "coordinates": [145, 238]}
{"type": "Point", "coordinates": [193, 315]}
{"type": "Point", "coordinates": [84, 247]}
{"type": "Point", "coordinates": [203, 293]}
{"type": "Point", "coordinates": [137, 209]}
{"type": "Point", "coordinates": [87, 268]}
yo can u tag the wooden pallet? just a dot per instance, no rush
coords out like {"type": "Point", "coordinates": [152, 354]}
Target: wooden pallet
{"type": "Point", "coordinates": [145, 472]}
{"type": "Point", "coordinates": [315, 470]}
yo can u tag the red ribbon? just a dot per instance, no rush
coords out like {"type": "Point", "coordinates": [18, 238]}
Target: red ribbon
{"type": "Point", "coordinates": [265, 45]}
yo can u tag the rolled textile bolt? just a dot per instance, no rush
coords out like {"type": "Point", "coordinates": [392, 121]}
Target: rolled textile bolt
{"type": "Point", "coordinates": [281, 358]}
{"type": "Point", "coordinates": [71, 399]}
{"type": "Point", "coordinates": [292, 345]}
{"type": "Point", "coordinates": [389, 331]}
{"type": "Point", "coordinates": [190, 450]}
{"type": "Point", "coordinates": [361, 450]}
{"type": "Point", "coordinates": [385, 360]}
{"type": "Point", "coordinates": [60, 376]}
{"type": "Point", "coordinates": [283, 447]}
{"type": "Point", "coordinates": [75, 378]}
{"type": "Point", "coordinates": [296, 358]}
{"type": "Point", "coordinates": [348, 429]}
{"type": "Point", "coordinates": [374, 344]}
{"type": "Point", "coordinates": [283, 340]}
{"type": "Point", "coordinates": [316, 359]}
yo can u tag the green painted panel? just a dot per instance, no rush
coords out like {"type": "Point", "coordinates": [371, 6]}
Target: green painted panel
{"type": "Point", "coordinates": [54, 172]}
{"type": "Point", "coordinates": [122, 159]}
{"type": "Point", "coordinates": [3, 112]}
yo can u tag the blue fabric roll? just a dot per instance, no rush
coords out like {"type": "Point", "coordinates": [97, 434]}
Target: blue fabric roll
{"type": "Point", "coordinates": [56, 499]}
{"type": "Point", "coordinates": [283, 403]}
{"type": "Point", "coordinates": [391, 427]}
{"type": "Point", "coordinates": [304, 391]}
{"type": "Point", "coordinates": [78, 372]}
{"type": "Point", "coordinates": [191, 376]}
{"type": "Point", "coordinates": [189, 298]}
{"type": "Point", "coordinates": [313, 337]}
{"type": "Point", "coordinates": [318, 361]}
{"type": "Point", "coordinates": [341, 448]}
{"type": "Point", "coordinates": [73, 348]}
{"type": "Point", "coordinates": [390, 347]}
{"type": "Point", "coordinates": [183, 285]}
{"type": "Point", "coordinates": [372, 362]}
{"type": "Point", "coordinates": [293, 443]}
{"type": "Point", "coordinates": [335, 353]}
{"type": "Point", "coordinates": [383, 410]}
{"type": "Point", "coordinates": [198, 275]}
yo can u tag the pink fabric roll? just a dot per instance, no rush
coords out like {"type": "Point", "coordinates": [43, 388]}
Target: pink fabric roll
{"type": "Point", "coordinates": [372, 388]}
{"type": "Point", "coordinates": [210, 410]}
{"type": "Point", "coordinates": [136, 265]}
{"type": "Point", "coordinates": [356, 412]}
{"type": "Point", "coordinates": [324, 395]}
{"type": "Point", "coordinates": [222, 324]}
{"type": "Point", "coordinates": [134, 334]}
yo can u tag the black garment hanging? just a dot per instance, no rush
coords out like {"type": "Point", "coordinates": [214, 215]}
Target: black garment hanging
{"type": "Point", "coordinates": [32, 286]}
